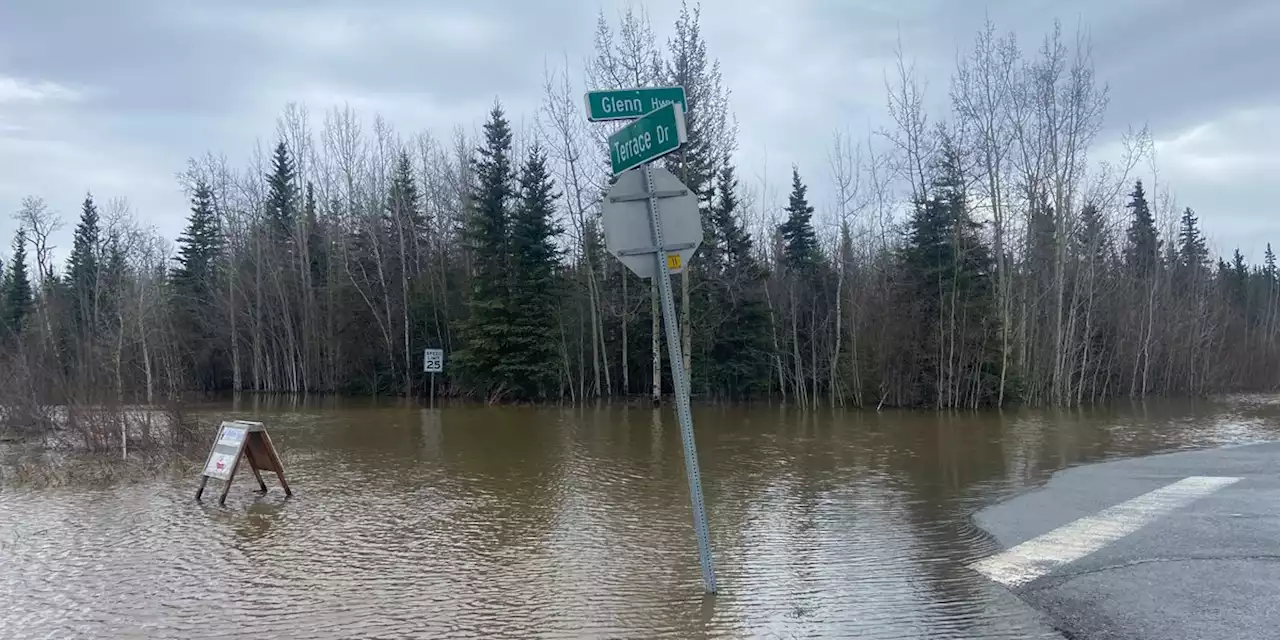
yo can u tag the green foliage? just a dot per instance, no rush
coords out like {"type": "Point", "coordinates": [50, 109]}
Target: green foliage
{"type": "Point", "coordinates": [801, 253]}
{"type": "Point", "coordinates": [1092, 239]}
{"type": "Point", "coordinates": [487, 333]}
{"type": "Point", "coordinates": [531, 363]}
{"type": "Point", "coordinates": [1269, 264]}
{"type": "Point", "coordinates": [946, 271]}
{"type": "Point", "coordinates": [738, 360]}
{"type": "Point", "coordinates": [282, 196]}
{"type": "Point", "coordinates": [194, 287]}
{"type": "Point", "coordinates": [1193, 254]}
{"type": "Point", "coordinates": [1142, 250]}
{"type": "Point", "coordinates": [17, 286]}
{"type": "Point", "coordinates": [82, 271]}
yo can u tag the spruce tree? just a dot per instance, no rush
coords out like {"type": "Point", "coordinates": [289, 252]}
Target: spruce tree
{"type": "Point", "coordinates": [82, 271]}
{"type": "Point", "coordinates": [17, 285]}
{"type": "Point", "coordinates": [1269, 264]}
{"type": "Point", "coordinates": [951, 296]}
{"type": "Point", "coordinates": [706, 119]}
{"type": "Point", "coordinates": [200, 246]}
{"type": "Point", "coordinates": [1142, 248]}
{"type": "Point", "coordinates": [194, 287]}
{"type": "Point", "coordinates": [487, 332]}
{"type": "Point", "coordinates": [801, 248]}
{"type": "Point", "coordinates": [535, 290]}
{"type": "Point", "coordinates": [1239, 275]}
{"type": "Point", "coordinates": [739, 353]}
{"type": "Point", "coordinates": [402, 200]}
{"type": "Point", "coordinates": [317, 249]}
{"type": "Point", "coordinates": [282, 193]}
{"type": "Point", "coordinates": [1193, 254]}
{"type": "Point", "coordinates": [114, 279]}
{"type": "Point", "coordinates": [1092, 240]}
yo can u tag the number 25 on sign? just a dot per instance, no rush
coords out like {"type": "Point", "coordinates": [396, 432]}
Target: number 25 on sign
{"type": "Point", "coordinates": [673, 261]}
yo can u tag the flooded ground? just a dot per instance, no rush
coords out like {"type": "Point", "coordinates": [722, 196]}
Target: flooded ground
{"type": "Point", "coordinates": [546, 522]}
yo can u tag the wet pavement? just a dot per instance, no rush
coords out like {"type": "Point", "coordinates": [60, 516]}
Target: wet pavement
{"type": "Point", "coordinates": [1167, 547]}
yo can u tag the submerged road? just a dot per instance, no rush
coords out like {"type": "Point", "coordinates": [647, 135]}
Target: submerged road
{"type": "Point", "coordinates": [1168, 547]}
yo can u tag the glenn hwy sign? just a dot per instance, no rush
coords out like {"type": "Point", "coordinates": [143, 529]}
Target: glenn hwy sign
{"type": "Point", "coordinates": [627, 104]}
{"type": "Point", "coordinates": [658, 133]}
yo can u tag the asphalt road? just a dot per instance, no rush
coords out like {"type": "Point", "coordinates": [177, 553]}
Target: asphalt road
{"type": "Point", "coordinates": [1169, 547]}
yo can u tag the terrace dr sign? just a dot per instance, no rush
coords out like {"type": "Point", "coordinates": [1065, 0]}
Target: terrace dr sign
{"type": "Point", "coordinates": [627, 104]}
{"type": "Point", "coordinates": [658, 133]}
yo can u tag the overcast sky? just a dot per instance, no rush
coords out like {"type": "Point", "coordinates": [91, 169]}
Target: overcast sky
{"type": "Point", "coordinates": [113, 97]}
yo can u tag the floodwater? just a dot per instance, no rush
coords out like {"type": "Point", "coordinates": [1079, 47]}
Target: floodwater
{"type": "Point", "coordinates": [473, 522]}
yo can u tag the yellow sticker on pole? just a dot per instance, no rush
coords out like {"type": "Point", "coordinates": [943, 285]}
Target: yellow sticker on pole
{"type": "Point", "coordinates": [673, 261]}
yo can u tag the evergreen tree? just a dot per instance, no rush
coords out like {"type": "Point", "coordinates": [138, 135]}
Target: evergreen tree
{"type": "Point", "coordinates": [1193, 254]}
{"type": "Point", "coordinates": [535, 287]}
{"type": "Point", "coordinates": [316, 244]}
{"type": "Point", "coordinates": [801, 249]}
{"type": "Point", "coordinates": [1238, 276]}
{"type": "Point", "coordinates": [951, 296]}
{"type": "Point", "coordinates": [405, 204]}
{"type": "Point", "coordinates": [282, 197]}
{"type": "Point", "coordinates": [114, 280]}
{"type": "Point", "coordinates": [17, 285]}
{"type": "Point", "coordinates": [195, 285]}
{"type": "Point", "coordinates": [1142, 250]}
{"type": "Point", "coordinates": [710, 139]}
{"type": "Point", "coordinates": [200, 246]}
{"type": "Point", "coordinates": [1092, 240]}
{"type": "Point", "coordinates": [1269, 264]}
{"type": "Point", "coordinates": [402, 201]}
{"type": "Point", "coordinates": [487, 332]}
{"type": "Point", "coordinates": [739, 354]}
{"type": "Point", "coordinates": [82, 271]}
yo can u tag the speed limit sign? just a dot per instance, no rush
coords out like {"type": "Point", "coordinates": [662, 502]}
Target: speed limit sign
{"type": "Point", "coordinates": [433, 360]}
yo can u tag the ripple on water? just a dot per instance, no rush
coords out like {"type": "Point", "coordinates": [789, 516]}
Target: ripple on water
{"type": "Point", "coordinates": [548, 523]}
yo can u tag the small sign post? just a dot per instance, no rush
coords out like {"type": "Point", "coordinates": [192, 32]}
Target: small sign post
{"type": "Point", "coordinates": [433, 363]}
{"type": "Point", "coordinates": [237, 438]}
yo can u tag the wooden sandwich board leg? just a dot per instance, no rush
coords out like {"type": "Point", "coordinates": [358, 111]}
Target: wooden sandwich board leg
{"type": "Point", "coordinates": [203, 481]}
{"type": "Point", "coordinates": [258, 475]}
{"type": "Point", "coordinates": [222, 500]}
{"type": "Point", "coordinates": [275, 462]}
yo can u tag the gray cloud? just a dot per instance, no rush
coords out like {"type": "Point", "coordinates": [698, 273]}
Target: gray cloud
{"type": "Point", "coordinates": [114, 97]}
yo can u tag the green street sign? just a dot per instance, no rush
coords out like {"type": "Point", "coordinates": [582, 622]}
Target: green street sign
{"type": "Point", "coordinates": [658, 133]}
{"type": "Point", "coordinates": [627, 104]}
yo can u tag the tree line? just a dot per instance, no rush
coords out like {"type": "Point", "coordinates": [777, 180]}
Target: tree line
{"type": "Point", "coordinates": [972, 258]}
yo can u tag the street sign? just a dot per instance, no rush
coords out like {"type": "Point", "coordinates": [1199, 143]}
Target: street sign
{"type": "Point", "coordinates": [627, 231]}
{"type": "Point", "coordinates": [626, 104]}
{"type": "Point", "coordinates": [652, 224]}
{"type": "Point", "coordinates": [236, 439]}
{"type": "Point", "coordinates": [433, 360]}
{"type": "Point", "coordinates": [658, 133]}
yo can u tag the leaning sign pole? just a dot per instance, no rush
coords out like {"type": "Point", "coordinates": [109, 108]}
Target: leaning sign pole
{"type": "Point", "coordinates": [654, 134]}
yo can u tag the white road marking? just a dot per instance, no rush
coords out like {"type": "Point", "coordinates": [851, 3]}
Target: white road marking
{"type": "Point", "coordinates": [1068, 543]}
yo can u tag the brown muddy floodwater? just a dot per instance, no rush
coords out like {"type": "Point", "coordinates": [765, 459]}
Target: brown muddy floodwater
{"type": "Point", "coordinates": [570, 522]}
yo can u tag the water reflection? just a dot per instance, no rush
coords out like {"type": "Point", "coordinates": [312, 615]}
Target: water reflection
{"type": "Point", "coordinates": [572, 522]}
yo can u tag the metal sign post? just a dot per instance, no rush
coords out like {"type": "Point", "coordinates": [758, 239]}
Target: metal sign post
{"type": "Point", "coordinates": [433, 363]}
{"type": "Point", "coordinates": [674, 232]}
{"type": "Point", "coordinates": [681, 384]}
